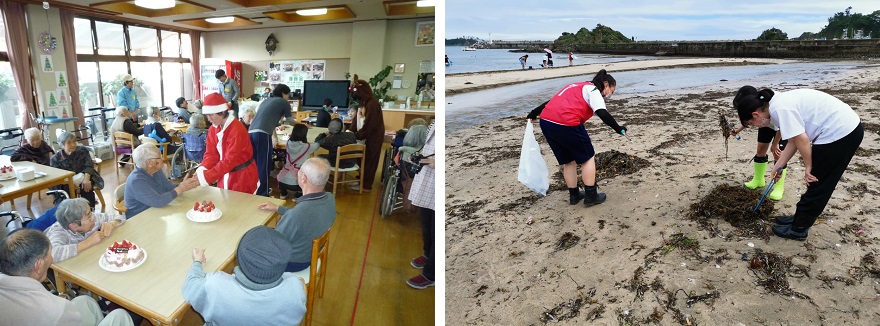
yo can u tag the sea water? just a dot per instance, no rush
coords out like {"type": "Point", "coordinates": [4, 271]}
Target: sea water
{"type": "Point", "coordinates": [475, 108]}
{"type": "Point", "coordinates": [496, 59]}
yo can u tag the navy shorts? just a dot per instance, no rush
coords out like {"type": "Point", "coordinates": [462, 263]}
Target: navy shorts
{"type": "Point", "coordinates": [569, 143]}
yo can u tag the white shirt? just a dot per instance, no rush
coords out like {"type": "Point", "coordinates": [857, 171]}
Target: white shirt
{"type": "Point", "coordinates": [824, 118]}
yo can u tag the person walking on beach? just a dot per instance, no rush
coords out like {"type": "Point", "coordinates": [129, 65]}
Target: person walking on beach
{"type": "Point", "coordinates": [570, 58]}
{"type": "Point", "coordinates": [522, 60]}
{"type": "Point", "coordinates": [447, 60]}
{"type": "Point", "coordinates": [766, 135]}
{"type": "Point", "coordinates": [823, 129]}
{"type": "Point", "coordinates": [562, 123]}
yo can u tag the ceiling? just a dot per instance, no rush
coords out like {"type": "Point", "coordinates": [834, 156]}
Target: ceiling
{"type": "Point", "coordinates": [249, 14]}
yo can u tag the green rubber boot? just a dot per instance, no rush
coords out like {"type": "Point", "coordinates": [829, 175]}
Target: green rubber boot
{"type": "Point", "coordinates": [758, 179]}
{"type": "Point", "coordinates": [778, 188]}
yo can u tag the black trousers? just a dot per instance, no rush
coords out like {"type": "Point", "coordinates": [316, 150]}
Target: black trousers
{"type": "Point", "coordinates": [427, 217]}
{"type": "Point", "coordinates": [829, 163]}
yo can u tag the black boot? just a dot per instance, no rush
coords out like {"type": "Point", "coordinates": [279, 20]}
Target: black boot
{"type": "Point", "coordinates": [592, 197]}
{"type": "Point", "coordinates": [790, 232]}
{"type": "Point", "coordinates": [575, 195]}
{"type": "Point", "coordinates": [784, 220]}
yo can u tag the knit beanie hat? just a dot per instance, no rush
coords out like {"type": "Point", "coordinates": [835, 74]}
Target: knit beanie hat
{"type": "Point", "coordinates": [263, 254]}
{"type": "Point", "coordinates": [214, 103]}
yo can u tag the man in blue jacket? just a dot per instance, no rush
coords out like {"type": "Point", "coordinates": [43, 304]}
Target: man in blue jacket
{"type": "Point", "coordinates": [127, 96]}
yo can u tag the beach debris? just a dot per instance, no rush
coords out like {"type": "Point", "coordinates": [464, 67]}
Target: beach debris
{"type": "Point", "coordinates": [613, 163]}
{"type": "Point", "coordinates": [751, 245]}
{"type": "Point", "coordinates": [566, 241]}
{"type": "Point", "coordinates": [853, 232]}
{"type": "Point", "coordinates": [733, 204]}
{"type": "Point", "coordinates": [726, 130]}
{"type": "Point", "coordinates": [772, 272]}
{"type": "Point", "coordinates": [529, 220]}
{"type": "Point", "coordinates": [571, 309]}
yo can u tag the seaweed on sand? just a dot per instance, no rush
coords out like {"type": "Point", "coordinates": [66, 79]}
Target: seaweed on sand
{"type": "Point", "coordinates": [613, 163]}
{"type": "Point", "coordinates": [735, 205]}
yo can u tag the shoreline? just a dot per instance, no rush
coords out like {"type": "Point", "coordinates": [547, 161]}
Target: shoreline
{"type": "Point", "coordinates": [512, 255]}
{"type": "Point", "coordinates": [476, 81]}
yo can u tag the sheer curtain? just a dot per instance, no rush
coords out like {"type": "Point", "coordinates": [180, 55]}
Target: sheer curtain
{"type": "Point", "coordinates": [195, 41]}
{"type": "Point", "coordinates": [68, 33]}
{"type": "Point", "coordinates": [17, 44]}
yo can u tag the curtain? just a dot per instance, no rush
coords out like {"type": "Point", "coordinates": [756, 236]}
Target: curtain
{"type": "Point", "coordinates": [68, 33]}
{"type": "Point", "coordinates": [19, 58]}
{"type": "Point", "coordinates": [195, 42]}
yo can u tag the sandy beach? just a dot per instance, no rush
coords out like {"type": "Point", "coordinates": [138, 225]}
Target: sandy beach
{"type": "Point", "coordinates": [469, 82]}
{"type": "Point", "coordinates": [517, 258]}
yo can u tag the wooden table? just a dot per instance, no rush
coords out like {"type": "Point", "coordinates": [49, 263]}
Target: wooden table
{"type": "Point", "coordinates": [174, 129]}
{"type": "Point", "coordinates": [13, 188]}
{"type": "Point", "coordinates": [154, 289]}
{"type": "Point", "coordinates": [283, 136]}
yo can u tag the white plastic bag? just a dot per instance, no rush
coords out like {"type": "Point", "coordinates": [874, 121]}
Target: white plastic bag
{"type": "Point", "coordinates": [532, 168]}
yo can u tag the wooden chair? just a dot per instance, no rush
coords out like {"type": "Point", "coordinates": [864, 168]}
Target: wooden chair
{"type": "Point", "coordinates": [302, 115]}
{"type": "Point", "coordinates": [119, 199]}
{"type": "Point", "coordinates": [352, 151]}
{"type": "Point", "coordinates": [123, 144]}
{"type": "Point", "coordinates": [315, 275]}
{"type": "Point", "coordinates": [334, 116]}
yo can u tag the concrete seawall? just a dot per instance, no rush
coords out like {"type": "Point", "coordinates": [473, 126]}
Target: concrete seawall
{"type": "Point", "coordinates": [830, 49]}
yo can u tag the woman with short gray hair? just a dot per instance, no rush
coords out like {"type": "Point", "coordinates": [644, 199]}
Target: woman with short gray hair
{"type": "Point", "coordinates": [77, 159]}
{"type": "Point", "coordinates": [197, 125]}
{"type": "Point", "coordinates": [34, 149]}
{"type": "Point", "coordinates": [78, 228]}
{"type": "Point", "coordinates": [154, 123]}
{"type": "Point", "coordinates": [333, 139]}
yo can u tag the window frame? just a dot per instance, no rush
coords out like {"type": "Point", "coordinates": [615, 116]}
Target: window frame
{"type": "Point", "coordinates": [127, 58]}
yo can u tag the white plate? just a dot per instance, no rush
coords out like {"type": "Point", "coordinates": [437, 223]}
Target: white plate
{"type": "Point", "coordinates": [188, 216]}
{"type": "Point", "coordinates": [9, 178]}
{"type": "Point", "coordinates": [107, 267]}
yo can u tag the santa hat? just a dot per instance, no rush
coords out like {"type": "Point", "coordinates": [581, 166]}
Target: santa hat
{"type": "Point", "coordinates": [214, 103]}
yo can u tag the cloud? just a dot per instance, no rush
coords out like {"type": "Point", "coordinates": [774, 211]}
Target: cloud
{"type": "Point", "coordinates": [646, 20]}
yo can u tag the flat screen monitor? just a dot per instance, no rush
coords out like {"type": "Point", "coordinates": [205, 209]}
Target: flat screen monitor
{"type": "Point", "coordinates": [315, 91]}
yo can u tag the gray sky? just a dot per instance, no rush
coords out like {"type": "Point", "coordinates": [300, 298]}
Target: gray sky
{"type": "Point", "coordinates": [646, 20]}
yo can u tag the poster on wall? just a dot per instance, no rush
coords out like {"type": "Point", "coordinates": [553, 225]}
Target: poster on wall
{"type": "Point", "coordinates": [425, 34]}
{"type": "Point", "coordinates": [61, 79]}
{"type": "Point", "coordinates": [294, 73]}
{"type": "Point", "coordinates": [260, 76]}
{"type": "Point", "coordinates": [63, 98]}
{"type": "Point", "coordinates": [209, 82]}
{"type": "Point", "coordinates": [46, 63]}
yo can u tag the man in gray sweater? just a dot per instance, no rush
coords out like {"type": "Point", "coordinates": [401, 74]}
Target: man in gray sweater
{"type": "Point", "coordinates": [263, 126]}
{"type": "Point", "coordinates": [313, 214]}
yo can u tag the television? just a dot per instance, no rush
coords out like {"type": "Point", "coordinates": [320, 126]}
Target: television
{"type": "Point", "coordinates": [315, 91]}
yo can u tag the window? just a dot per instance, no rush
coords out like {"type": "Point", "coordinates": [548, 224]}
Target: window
{"type": "Point", "coordinates": [9, 100]}
{"type": "Point", "coordinates": [153, 56]}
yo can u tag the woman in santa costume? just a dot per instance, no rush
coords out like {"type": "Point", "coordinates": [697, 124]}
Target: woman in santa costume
{"type": "Point", "coordinates": [229, 157]}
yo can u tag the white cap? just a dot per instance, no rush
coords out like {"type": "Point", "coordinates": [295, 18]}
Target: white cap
{"type": "Point", "coordinates": [127, 78]}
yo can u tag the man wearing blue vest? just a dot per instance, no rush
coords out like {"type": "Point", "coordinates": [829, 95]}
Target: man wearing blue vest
{"type": "Point", "coordinates": [229, 90]}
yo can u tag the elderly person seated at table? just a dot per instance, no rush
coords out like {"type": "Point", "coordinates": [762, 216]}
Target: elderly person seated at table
{"type": "Point", "coordinates": [334, 138]}
{"type": "Point", "coordinates": [248, 117]}
{"type": "Point", "coordinates": [34, 150]}
{"type": "Point", "coordinates": [185, 110]}
{"type": "Point", "coordinates": [123, 123]}
{"type": "Point", "coordinates": [78, 160]}
{"type": "Point", "coordinates": [197, 125]}
{"type": "Point", "coordinates": [78, 228]}
{"type": "Point", "coordinates": [147, 185]}
{"type": "Point", "coordinates": [154, 123]}
{"type": "Point", "coordinates": [258, 292]}
{"type": "Point", "coordinates": [313, 214]}
{"type": "Point", "coordinates": [25, 257]}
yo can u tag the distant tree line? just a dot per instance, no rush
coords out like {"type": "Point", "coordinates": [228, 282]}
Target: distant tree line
{"type": "Point", "coordinates": [600, 35]}
{"type": "Point", "coordinates": [850, 22]}
{"type": "Point", "coordinates": [463, 41]}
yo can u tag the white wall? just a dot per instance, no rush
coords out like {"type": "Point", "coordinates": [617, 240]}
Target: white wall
{"type": "Point", "coordinates": [366, 46]}
{"type": "Point", "coordinates": [37, 24]}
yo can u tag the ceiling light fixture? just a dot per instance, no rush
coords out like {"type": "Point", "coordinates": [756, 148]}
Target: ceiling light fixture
{"type": "Point", "coordinates": [425, 3]}
{"type": "Point", "coordinates": [155, 4]}
{"type": "Point", "coordinates": [220, 20]}
{"type": "Point", "coordinates": [312, 12]}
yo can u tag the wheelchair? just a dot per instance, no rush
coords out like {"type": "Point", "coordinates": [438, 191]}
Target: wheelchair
{"type": "Point", "coordinates": [187, 157]}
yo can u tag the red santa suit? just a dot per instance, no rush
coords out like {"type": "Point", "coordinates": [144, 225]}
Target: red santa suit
{"type": "Point", "coordinates": [229, 157]}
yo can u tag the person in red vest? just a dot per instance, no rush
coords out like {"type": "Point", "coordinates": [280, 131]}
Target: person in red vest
{"type": "Point", "coordinates": [229, 155]}
{"type": "Point", "coordinates": [562, 123]}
